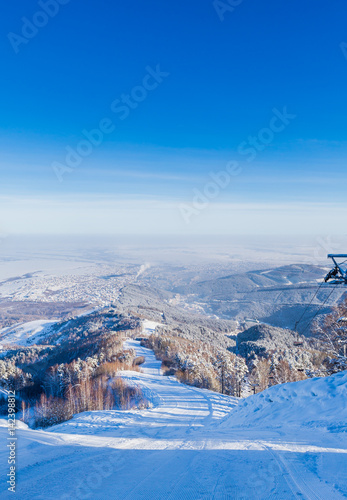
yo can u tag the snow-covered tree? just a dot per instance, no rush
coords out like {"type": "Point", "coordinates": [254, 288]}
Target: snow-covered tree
{"type": "Point", "coordinates": [332, 332]}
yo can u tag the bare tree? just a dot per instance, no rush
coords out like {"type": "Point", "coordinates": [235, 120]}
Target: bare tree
{"type": "Point", "coordinates": [284, 373]}
{"type": "Point", "coordinates": [260, 376]}
{"type": "Point", "coordinates": [332, 332]}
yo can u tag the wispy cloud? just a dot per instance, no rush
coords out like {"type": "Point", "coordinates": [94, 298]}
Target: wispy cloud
{"type": "Point", "coordinates": [101, 214]}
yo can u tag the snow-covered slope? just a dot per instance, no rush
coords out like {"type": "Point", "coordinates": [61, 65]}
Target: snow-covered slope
{"type": "Point", "coordinates": [193, 444]}
{"type": "Point", "coordinates": [25, 333]}
{"type": "Point", "coordinates": [313, 403]}
{"type": "Point", "coordinates": [148, 327]}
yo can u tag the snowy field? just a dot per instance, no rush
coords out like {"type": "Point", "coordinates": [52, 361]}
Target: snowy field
{"type": "Point", "coordinates": [192, 444]}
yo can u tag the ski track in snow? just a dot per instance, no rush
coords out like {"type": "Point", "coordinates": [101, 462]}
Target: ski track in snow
{"type": "Point", "coordinates": [185, 447]}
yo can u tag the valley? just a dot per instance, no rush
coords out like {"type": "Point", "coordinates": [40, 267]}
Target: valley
{"type": "Point", "coordinates": [183, 376]}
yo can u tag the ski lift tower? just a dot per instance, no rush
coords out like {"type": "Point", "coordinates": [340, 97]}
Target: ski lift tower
{"type": "Point", "coordinates": [338, 275]}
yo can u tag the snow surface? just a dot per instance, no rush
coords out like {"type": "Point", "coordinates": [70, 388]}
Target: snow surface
{"type": "Point", "coordinates": [25, 333]}
{"type": "Point", "coordinates": [193, 444]}
{"type": "Point", "coordinates": [312, 403]}
{"type": "Point", "coordinates": [148, 327]}
{"type": "Point", "coordinates": [32, 332]}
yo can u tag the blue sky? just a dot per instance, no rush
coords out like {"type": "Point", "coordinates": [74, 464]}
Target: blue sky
{"type": "Point", "coordinates": [222, 85]}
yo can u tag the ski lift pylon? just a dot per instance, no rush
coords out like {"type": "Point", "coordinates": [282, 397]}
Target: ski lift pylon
{"type": "Point", "coordinates": [338, 275]}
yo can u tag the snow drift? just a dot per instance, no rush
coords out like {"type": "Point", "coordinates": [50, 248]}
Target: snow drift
{"type": "Point", "coordinates": [317, 402]}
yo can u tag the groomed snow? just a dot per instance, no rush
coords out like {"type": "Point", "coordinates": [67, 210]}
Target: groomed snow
{"type": "Point", "coordinates": [193, 444]}
{"type": "Point", "coordinates": [148, 327]}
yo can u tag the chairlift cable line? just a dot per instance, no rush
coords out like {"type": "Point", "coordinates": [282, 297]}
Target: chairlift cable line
{"type": "Point", "coordinates": [308, 305]}
{"type": "Point", "coordinates": [321, 307]}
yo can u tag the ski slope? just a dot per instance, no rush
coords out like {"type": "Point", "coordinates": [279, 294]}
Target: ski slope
{"type": "Point", "coordinates": [192, 444]}
{"type": "Point", "coordinates": [25, 334]}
